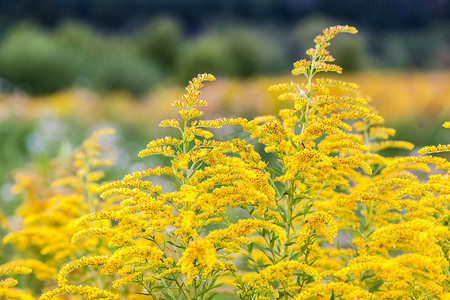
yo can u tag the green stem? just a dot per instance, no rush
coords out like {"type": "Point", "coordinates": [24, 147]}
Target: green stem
{"type": "Point", "coordinates": [290, 207]}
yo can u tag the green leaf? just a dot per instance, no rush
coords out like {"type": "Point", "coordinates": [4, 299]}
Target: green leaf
{"type": "Point", "coordinates": [175, 245]}
{"type": "Point", "coordinates": [296, 255]}
{"type": "Point", "coordinates": [212, 296]}
{"type": "Point", "coordinates": [250, 247]}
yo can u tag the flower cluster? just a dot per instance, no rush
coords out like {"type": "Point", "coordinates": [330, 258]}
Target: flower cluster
{"type": "Point", "coordinates": [165, 240]}
{"type": "Point", "coordinates": [52, 202]}
{"type": "Point", "coordinates": [325, 216]}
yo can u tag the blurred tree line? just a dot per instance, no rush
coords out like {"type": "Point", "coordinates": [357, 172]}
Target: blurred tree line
{"type": "Point", "coordinates": [114, 14]}
{"type": "Point", "coordinates": [135, 44]}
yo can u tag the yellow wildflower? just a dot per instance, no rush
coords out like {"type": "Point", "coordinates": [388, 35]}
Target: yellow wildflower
{"type": "Point", "coordinates": [281, 272]}
{"type": "Point", "coordinates": [86, 291]}
{"type": "Point", "coordinates": [199, 260]}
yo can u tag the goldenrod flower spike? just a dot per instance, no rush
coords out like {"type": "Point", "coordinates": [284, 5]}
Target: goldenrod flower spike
{"type": "Point", "coordinates": [329, 33]}
{"type": "Point", "coordinates": [190, 100]}
{"type": "Point", "coordinates": [7, 293]}
{"type": "Point", "coordinates": [7, 290]}
{"type": "Point", "coordinates": [343, 290]}
{"type": "Point", "coordinates": [87, 292]}
{"type": "Point", "coordinates": [199, 259]}
{"type": "Point", "coordinates": [320, 55]}
{"type": "Point", "coordinates": [13, 268]}
{"type": "Point", "coordinates": [337, 83]}
{"type": "Point", "coordinates": [434, 149]}
{"type": "Point", "coordinates": [281, 272]}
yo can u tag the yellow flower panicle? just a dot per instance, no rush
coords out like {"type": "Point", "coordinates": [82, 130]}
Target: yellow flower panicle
{"type": "Point", "coordinates": [324, 67]}
{"type": "Point", "coordinates": [309, 176]}
{"type": "Point", "coordinates": [13, 268]}
{"type": "Point", "coordinates": [337, 83]}
{"type": "Point", "coordinates": [434, 149]}
{"type": "Point", "coordinates": [8, 283]}
{"type": "Point", "coordinates": [112, 215]}
{"type": "Point", "coordinates": [301, 67]}
{"type": "Point", "coordinates": [87, 292]}
{"type": "Point", "coordinates": [47, 219]}
{"type": "Point", "coordinates": [281, 272]}
{"type": "Point", "coordinates": [231, 239]}
{"type": "Point", "coordinates": [40, 270]}
{"type": "Point", "coordinates": [333, 99]}
{"type": "Point", "coordinates": [158, 171]}
{"type": "Point", "coordinates": [199, 260]}
{"type": "Point", "coordinates": [343, 290]}
{"type": "Point", "coordinates": [320, 55]}
{"type": "Point", "coordinates": [90, 154]}
{"type": "Point", "coordinates": [7, 293]}
{"type": "Point", "coordinates": [375, 147]}
{"type": "Point", "coordinates": [187, 226]}
{"type": "Point", "coordinates": [329, 33]}
{"type": "Point", "coordinates": [439, 162]}
{"type": "Point", "coordinates": [7, 290]}
{"type": "Point", "coordinates": [193, 91]}
{"type": "Point", "coordinates": [416, 235]}
{"type": "Point", "coordinates": [361, 247]}
{"type": "Point", "coordinates": [321, 224]}
{"type": "Point", "coordinates": [124, 258]}
{"type": "Point", "coordinates": [170, 123]}
{"type": "Point", "coordinates": [283, 86]}
{"type": "Point", "coordinates": [336, 146]}
{"type": "Point", "coordinates": [92, 231]}
{"type": "Point", "coordinates": [418, 271]}
{"type": "Point", "coordinates": [91, 262]}
{"type": "Point", "coordinates": [380, 132]}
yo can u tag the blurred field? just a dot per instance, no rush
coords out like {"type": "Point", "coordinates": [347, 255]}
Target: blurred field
{"type": "Point", "coordinates": [37, 129]}
{"type": "Point", "coordinates": [398, 96]}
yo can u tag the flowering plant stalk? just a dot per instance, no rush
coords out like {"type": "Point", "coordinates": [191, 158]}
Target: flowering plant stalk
{"type": "Point", "coordinates": [326, 217]}
{"type": "Point", "coordinates": [53, 200]}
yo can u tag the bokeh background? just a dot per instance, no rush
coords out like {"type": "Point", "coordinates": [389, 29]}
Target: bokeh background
{"type": "Point", "coordinates": [68, 67]}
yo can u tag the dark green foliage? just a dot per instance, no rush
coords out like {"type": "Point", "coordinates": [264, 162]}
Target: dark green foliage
{"type": "Point", "coordinates": [41, 62]}
{"type": "Point", "coordinates": [160, 42]}
{"type": "Point", "coordinates": [253, 53]}
{"type": "Point", "coordinates": [350, 54]}
{"type": "Point", "coordinates": [122, 71]}
{"type": "Point", "coordinates": [425, 49]}
{"type": "Point", "coordinates": [422, 132]}
{"type": "Point", "coordinates": [44, 61]}
{"type": "Point", "coordinates": [33, 60]}
{"type": "Point", "coordinates": [13, 151]}
{"type": "Point", "coordinates": [233, 52]}
{"type": "Point", "coordinates": [80, 38]}
{"type": "Point", "coordinates": [206, 53]}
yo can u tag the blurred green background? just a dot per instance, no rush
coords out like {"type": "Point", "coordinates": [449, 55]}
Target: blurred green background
{"type": "Point", "coordinates": [46, 46]}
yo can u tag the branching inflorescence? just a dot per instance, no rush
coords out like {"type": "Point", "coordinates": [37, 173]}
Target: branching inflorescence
{"type": "Point", "coordinates": [326, 217]}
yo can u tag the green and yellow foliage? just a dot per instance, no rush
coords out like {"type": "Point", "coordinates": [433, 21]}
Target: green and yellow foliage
{"type": "Point", "coordinates": [322, 216]}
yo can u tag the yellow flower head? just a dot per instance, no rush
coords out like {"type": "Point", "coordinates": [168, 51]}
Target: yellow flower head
{"type": "Point", "coordinates": [199, 260]}
{"type": "Point", "coordinates": [321, 224]}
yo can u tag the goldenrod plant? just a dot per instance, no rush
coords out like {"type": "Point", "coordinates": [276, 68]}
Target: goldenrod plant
{"type": "Point", "coordinates": [50, 207]}
{"type": "Point", "coordinates": [326, 216]}
{"type": "Point", "coordinates": [164, 238]}
{"type": "Point", "coordinates": [7, 285]}
{"type": "Point", "coordinates": [52, 202]}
